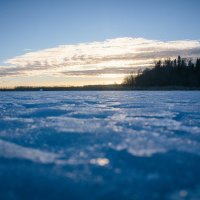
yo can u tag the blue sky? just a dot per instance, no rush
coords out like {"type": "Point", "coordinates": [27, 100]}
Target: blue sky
{"type": "Point", "coordinates": [40, 24]}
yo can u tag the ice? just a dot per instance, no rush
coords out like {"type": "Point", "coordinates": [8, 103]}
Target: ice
{"type": "Point", "coordinates": [117, 144]}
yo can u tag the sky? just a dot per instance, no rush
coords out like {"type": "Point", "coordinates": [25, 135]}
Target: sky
{"type": "Point", "coordinates": [80, 42]}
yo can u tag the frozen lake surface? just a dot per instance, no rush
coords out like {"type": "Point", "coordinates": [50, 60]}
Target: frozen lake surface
{"type": "Point", "coordinates": [100, 145]}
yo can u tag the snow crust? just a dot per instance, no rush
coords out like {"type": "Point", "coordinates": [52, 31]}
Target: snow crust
{"type": "Point", "coordinates": [143, 143]}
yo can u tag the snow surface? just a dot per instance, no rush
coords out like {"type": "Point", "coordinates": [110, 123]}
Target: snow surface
{"type": "Point", "coordinates": [100, 145]}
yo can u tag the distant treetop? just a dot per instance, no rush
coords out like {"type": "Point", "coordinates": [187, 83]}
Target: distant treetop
{"type": "Point", "coordinates": [177, 72]}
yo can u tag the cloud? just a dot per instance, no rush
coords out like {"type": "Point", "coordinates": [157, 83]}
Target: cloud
{"type": "Point", "coordinates": [113, 56]}
{"type": "Point", "coordinates": [27, 49]}
{"type": "Point", "coordinates": [106, 70]}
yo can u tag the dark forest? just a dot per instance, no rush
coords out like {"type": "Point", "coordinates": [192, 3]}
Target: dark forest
{"type": "Point", "coordinates": [178, 72]}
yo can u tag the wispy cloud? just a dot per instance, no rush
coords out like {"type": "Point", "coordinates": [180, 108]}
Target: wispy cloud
{"type": "Point", "coordinates": [27, 49]}
{"type": "Point", "coordinates": [113, 56]}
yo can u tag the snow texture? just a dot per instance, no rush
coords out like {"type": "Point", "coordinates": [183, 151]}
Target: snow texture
{"type": "Point", "coordinates": [100, 145]}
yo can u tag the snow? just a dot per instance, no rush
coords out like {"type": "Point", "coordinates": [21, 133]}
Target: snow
{"type": "Point", "coordinates": [100, 145]}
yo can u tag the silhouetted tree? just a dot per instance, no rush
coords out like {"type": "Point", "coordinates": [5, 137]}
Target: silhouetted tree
{"type": "Point", "coordinates": [129, 80]}
{"type": "Point", "coordinates": [179, 61]}
{"type": "Point", "coordinates": [190, 64]}
{"type": "Point", "coordinates": [198, 65]}
{"type": "Point", "coordinates": [175, 63]}
{"type": "Point", "coordinates": [177, 72]}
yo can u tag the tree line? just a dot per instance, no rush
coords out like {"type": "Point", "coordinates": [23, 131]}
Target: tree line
{"type": "Point", "coordinates": [178, 72]}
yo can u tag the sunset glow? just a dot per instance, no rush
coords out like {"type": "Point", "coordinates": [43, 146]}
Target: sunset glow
{"type": "Point", "coordinates": [104, 62]}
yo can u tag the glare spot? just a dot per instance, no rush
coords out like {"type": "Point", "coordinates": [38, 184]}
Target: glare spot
{"type": "Point", "coordinates": [100, 161]}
